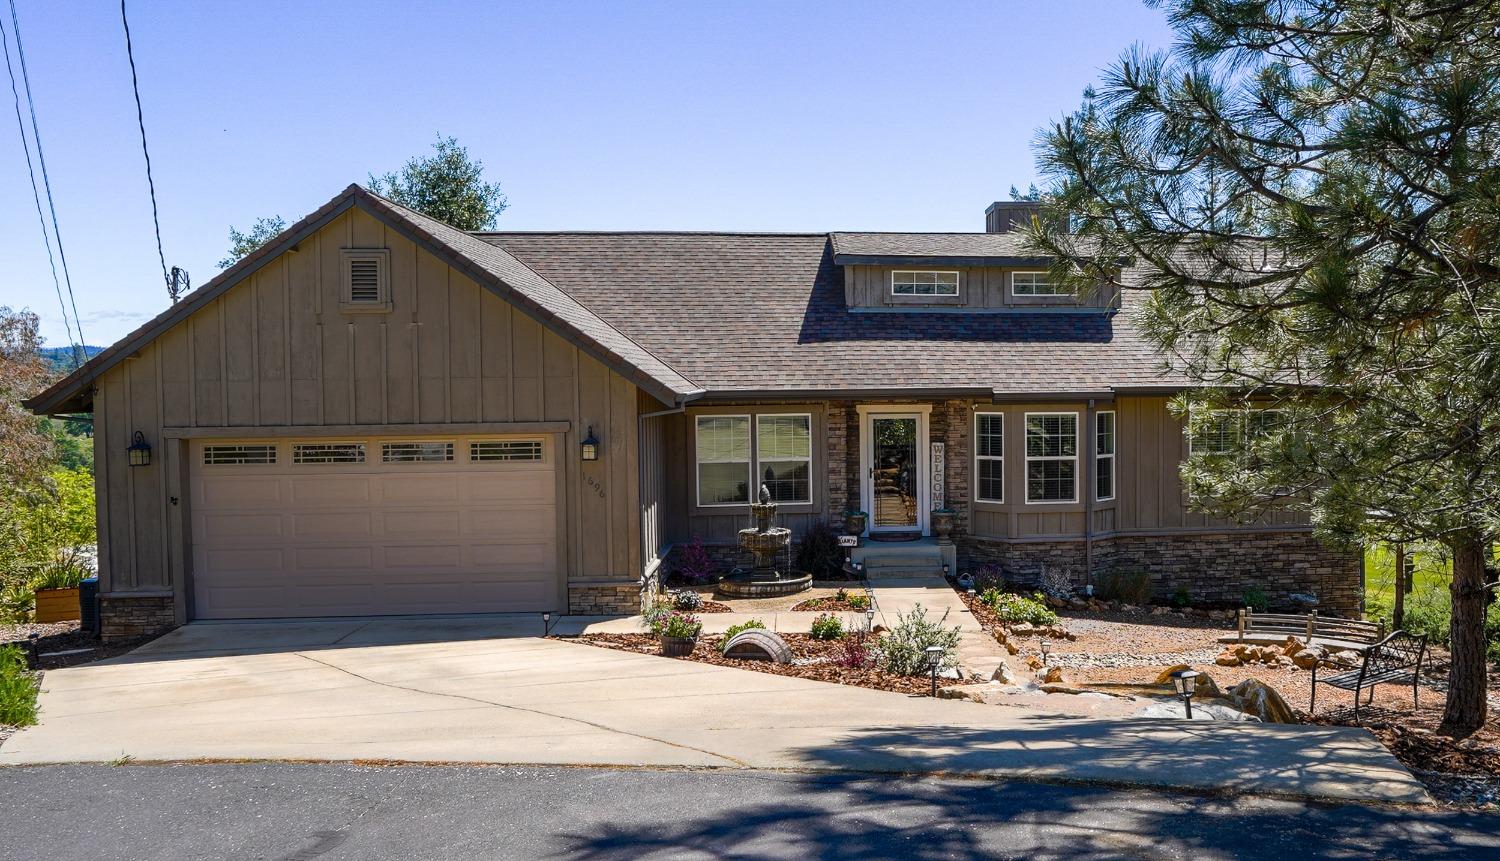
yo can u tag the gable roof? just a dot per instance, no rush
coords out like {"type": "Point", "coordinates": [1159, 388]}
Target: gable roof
{"type": "Point", "coordinates": [953, 249]}
{"type": "Point", "coordinates": [490, 266]}
{"type": "Point", "coordinates": [752, 314]}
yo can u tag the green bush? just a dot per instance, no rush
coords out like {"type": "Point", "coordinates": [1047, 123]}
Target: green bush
{"type": "Point", "coordinates": [1256, 599]}
{"type": "Point", "coordinates": [735, 629]}
{"type": "Point", "coordinates": [1182, 598]}
{"type": "Point", "coordinates": [819, 553]}
{"type": "Point", "coordinates": [856, 600]}
{"type": "Point", "coordinates": [18, 688]}
{"type": "Point", "coordinates": [1015, 609]}
{"type": "Point", "coordinates": [681, 625]}
{"type": "Point", "coordinates": [827, 627]}
{"type": "Point", "coordinates": [904, 649]}
{"type": "Point", "coordinates": [1129, 587]}
{"type": "Point", "coordinates": [17, 599]}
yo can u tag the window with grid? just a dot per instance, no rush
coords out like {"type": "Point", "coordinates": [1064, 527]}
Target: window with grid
{"type": "Point", "coordinates": [989, 456]}
{"type": "Point", "coordinates": [232, 455]}
{"type": "Point", "coordinates": [783, 448]}
{"type": "Point", "coordinates": [416, 452]}
{"type": "Point", "coordinates": [723, 456]}
{"type": "Point", "coordinates": [1104, 456]}
{"type": "Point", "coordinates": [514, 449]}
{"type": "Point", "coordinates": [1051, 457]}
{"type": "Point", "coordinates": [924, 283]}
{"type": "Point", "coordinates": [1036, 284]}
{"type": "Point", "coordinates": [328, 452]}
{"type": "Point", "coordinates": [1215, 432]}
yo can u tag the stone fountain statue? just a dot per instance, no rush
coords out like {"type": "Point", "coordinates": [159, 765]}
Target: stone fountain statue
{"type": "Point", "coordinates": [768, 544]}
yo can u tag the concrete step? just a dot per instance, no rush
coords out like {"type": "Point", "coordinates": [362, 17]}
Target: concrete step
{"type": "Point", "coordinates": [909, 573]}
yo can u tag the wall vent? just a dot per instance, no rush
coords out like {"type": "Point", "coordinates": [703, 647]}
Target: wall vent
{"type": "Point", "coordinates": [366, 280]}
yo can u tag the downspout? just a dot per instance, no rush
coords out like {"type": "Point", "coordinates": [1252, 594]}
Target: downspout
{"type": "Point", "coordinates": [1088, 496]}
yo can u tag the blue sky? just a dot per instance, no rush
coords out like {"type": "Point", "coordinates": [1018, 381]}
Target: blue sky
{"type": "Point", "coordinates": [617, 115]}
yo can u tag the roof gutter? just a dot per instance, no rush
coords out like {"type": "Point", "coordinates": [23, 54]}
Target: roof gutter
{"type": "Point", "coordinates": [891, 394]}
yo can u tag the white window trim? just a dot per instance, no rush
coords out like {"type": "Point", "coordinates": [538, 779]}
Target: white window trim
{"type": "Point", "coordinates": [1026, 476]}
{"type": "Point", "coordinates": [923, 413]}
{"type": "Point", "coordinates": [755, 476]}
{"type": "Point", "coordinates": [957, 283]}
{"type": "Point", "coordinates": [1114, 476]}
{"type": "Point", "coordinates": [1000, 457]}
{"type": "Point", "coordinates": [749, 463]}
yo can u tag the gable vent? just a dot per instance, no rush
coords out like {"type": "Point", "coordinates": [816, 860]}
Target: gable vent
{"type": "Point", "coordinates": [366, 284]}
{"type": "Point", "coordinates": [364, 280]}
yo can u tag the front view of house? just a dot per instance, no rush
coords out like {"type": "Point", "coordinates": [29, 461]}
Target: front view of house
{"type": "Point", "coordinates": [376, 413]}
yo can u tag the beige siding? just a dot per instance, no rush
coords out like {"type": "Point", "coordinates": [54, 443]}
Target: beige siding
{"type": "Point", "coordinates": [275, 351]}
{"type": "Point", "coordinates": [979, 287]}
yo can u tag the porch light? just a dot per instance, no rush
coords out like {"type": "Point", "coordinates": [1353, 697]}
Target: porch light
{"type": "Point", "coordinates": [139, 451]}
{"type": "Point", "coordinates": [591, 446]}
{"type": "Point", "coordinates": [1186, 683]}
{"type": "Point", "coordinates": [934, 660]}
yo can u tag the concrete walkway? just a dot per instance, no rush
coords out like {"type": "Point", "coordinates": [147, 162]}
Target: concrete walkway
{"type": "Point", "coordinates": [447, 690]}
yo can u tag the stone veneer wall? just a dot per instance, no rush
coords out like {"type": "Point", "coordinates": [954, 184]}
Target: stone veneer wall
{"type": "Point", "coordinates": [123, 617]}
{"type": "Point", "coordinates": [836, 431]}
{"type": "Point", "coordinates": [1213, 567]}
{"type": "Point", "coordinates": [613, 598]}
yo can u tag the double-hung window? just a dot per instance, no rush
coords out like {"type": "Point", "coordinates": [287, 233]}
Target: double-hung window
{"type": "Point", "coordinates": [723, 460]}
{"type": "Point", "coordinates": [1104, 456]}
{"type": "Point", "coordinates": [1051, 457]}
{"type": "Point", "coordinates": [783, 456]}
{"type": "Point", "coordinates": [1226, 432]}
{"type": "Point", "coordinates": [989, 456]}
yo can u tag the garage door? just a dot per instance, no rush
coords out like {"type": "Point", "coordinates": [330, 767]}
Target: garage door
{"type": "Point", "coordinates": [378, 526]}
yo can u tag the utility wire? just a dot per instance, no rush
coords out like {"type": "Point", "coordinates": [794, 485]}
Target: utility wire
{"type": "Point", "coordinates": [140, 119]}
{"type": "Point", "coordinates": [35, 194]}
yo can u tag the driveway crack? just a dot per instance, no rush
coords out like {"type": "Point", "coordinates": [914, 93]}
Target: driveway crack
{"type": "Point", "coordinates": [538, 712]}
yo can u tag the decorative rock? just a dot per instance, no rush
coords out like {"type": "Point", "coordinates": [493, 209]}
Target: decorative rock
{"type": "Point", "coordinates": [1054, 676]}
{"type": "Point", "coordinates": [1228, 659]}
{"type": "Point", "coordinates": [1034, 662]}
{"type": "Point", "coordinates": [1304, 600]}
{"type": "Point", "coordinates": [1160, 611]}
{"type": "Point", "coordinates": [758, 644]}
{"type": "Point", "coordinates": [1257, 698]}
{"type": "Point", "coordinates": [1011, 648]}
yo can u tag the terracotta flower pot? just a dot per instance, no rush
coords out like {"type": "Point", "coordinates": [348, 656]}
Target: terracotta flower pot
{"type": "Point", "coordinates": [677, 647]}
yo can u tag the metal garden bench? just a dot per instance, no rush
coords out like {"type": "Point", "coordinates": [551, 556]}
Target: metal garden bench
{"type": "Point", "coordinates": [1396, 660]}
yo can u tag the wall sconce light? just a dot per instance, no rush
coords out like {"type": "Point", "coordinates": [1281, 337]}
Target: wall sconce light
{"type": "Point", "coordinates": [590, 446]}
{"type": "Point", "coordinates": [139, 450]}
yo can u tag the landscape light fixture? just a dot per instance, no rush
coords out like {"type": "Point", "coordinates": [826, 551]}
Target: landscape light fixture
{"type": "Point", "coordinates": [139, 451]}
{"type": "Point", "coordinates": [591, 446]}
{"type": "Point", "coordinates": [546, 622]}
{"type": "Point", "coordinates": [934, 660]}
{"type": "Point", "coordinates": [1186, 683]}
{"type": "Point", "coordinates": [870, 620]}
{"type": "Point", "coordinates": [1046, 651]}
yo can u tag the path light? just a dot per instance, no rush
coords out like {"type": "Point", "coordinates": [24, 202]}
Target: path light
{"type": "Point", "coordinates": [546, 623]}
{"type": "Point", "coordinates": [1186, 683]}
{"type": "Point", "coordinates": [591, 446]}
{"type": "Point", "coordinates": [1046, 651]}
{"type": "Point", "coordinates": [870, 620]}
{"type": "Point", "coordinates": [934, 660]}
{"type": "Point", "coordinates": [139, 450]}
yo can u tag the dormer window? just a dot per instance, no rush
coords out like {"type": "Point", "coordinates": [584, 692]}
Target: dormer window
{"type": "Point", "coordinates": [1036, 284]}
{"type": "Point", "coordinates": [366, 280]}
{"type": "Point", "coordinates": [923, 283]}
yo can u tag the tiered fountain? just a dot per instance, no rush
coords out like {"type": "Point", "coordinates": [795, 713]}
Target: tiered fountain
{"type": "Point", "coordinates": [769, 545]}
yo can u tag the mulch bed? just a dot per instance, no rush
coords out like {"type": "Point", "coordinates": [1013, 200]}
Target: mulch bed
{"type": "Point", "coordinates": [832, 604]}
{"type": "Point", "coordinates": [803, 646]}
{"type": "Point", "coordinates": [65, 637]}
{"type": "Point", "coordinates": [713, 607]}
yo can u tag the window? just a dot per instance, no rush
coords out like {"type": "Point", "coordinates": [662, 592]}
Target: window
{"type": "Point", "coordinates": [1224, 432]}
{"type": "Point", "coordinates": [723, 460]}
{"type": "Point", "coordinates": [366, 280]}
{"type": "Point", "coordinates": [783, 449]}
{"type": "Point", "coordinates": [1051, 457]}
{"type": "Point", "coordinates": [226, 455]}
{"type": "Point", "coordinates": [924, 283]}
{"type": "Point", "coordinates": [1036, 284]}
{"type": "Point", "coordinates": [416, 452]}
{"type": "Point", "coordinates": [1104, 456]}
{"type": "Point", "coordinates": [328, 452]}
{"type": "Point", "coordinates": [989, 456]}
{"type": "Point", "coordinates": [494, 449]}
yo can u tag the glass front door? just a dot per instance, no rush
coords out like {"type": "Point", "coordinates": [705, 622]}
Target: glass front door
{"type": "Point", "coordinates": [894, 472]}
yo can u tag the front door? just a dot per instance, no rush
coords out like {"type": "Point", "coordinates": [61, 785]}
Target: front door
{"type": "Point", "coordinates": [895, 480]}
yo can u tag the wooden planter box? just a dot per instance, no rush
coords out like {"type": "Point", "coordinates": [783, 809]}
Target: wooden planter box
{"type": "Point", "coordinates": [57, 605]}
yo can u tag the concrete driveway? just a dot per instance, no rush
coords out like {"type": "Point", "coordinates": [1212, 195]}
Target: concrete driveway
{"type": "Point", "coordinates": [486, 689]}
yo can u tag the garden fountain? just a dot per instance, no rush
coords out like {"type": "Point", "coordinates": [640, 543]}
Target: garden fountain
{"type": "Point", "coordinates": [770, 545]}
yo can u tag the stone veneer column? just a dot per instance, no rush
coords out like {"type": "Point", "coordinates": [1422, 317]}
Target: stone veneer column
{"type": "Point", "coordinates": [955, 438]}
{"type": "Point", "coordinates": [836, 432]}
{"type": "Point", "coordinates": [126, 617]}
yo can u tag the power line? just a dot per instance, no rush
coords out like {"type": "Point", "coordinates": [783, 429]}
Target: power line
{"type": "Point", "coordinates": [140, 119]}
{"type": "Point", "coordinates": [35, 194]}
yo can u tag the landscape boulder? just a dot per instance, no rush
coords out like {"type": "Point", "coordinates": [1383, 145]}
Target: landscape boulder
{"type": "Point", "coordinates": [758, 644]}
{"type": "Point", "coordinates": [1257, 698]}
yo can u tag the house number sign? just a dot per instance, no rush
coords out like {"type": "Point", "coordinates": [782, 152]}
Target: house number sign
{"type": "Point", "coordinates": [939, 469]}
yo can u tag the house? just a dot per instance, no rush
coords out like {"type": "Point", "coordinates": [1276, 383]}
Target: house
{"type": "Point", "coordinates": [376, 413]}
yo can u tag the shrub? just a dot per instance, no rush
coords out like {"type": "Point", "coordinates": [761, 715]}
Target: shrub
{"type": "Point", "coordinates": [735, 629]}
{"type": "Point", "coordinates": [16, 601]}
{"type": "Point", "coordinates": [695, 567]}
{"type": "Point", "coordinates": [681, 625]}
{"type": "Point", "coordinates": [18, 688]}
{"type": "Point", "coordinates": [1256, 599]}
{"type": "Point", "coordinates": [988, 577]}
{"type": "Point", "coordinates": [687, 600]}
{"type": "Point", "coordinates": [1014, 608]}
{"type": "Point", "coordinates": [854, 653]}
{"type": "Point", "coordinates": [65, 572]}
{"type": "Point", "coordinates": [856, 600]}
{"type": "Point", "coordinates": [827, 627]}
{"type": "Point", "coordinates": [819, 553]}
{"type": "Point", "coordinates": [1056, 582]}
{"type": "Point", "coordinates": [904, 650]}
{"type": "Point", "coordinates": [1129, 587]}
{"type": "Point", "coordinates": [1182, 598]}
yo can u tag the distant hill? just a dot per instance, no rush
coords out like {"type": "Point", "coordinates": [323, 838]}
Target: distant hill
{"type": "Point", "coordinates": [61, 358]}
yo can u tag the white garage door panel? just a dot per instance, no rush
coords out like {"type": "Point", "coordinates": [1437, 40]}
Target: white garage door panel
{"type": "Point", "coordinates": [286, 539]}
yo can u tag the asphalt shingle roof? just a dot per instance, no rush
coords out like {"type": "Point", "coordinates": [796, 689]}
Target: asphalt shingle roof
{"type": "Point", "coordinates": [852, 247]}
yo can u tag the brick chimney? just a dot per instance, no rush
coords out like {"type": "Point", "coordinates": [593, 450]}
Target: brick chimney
{"type": "Point", "coordinates": [1003, 216]}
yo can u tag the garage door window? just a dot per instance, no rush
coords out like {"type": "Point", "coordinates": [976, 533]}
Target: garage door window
{"type": "Point", "coordinates": [525, 449]}
{"type": "Point", "coordinates": [328, 452]}
{"type": "Point", "coordinates": [229, 455]}
{"type": "Point", "coordinates": [416, 452]}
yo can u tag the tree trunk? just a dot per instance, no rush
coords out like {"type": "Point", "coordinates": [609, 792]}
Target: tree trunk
{"type": "Point", "coordinates": [1465, 710]}
{"type": "Point", "coordinates": [1398, 613]}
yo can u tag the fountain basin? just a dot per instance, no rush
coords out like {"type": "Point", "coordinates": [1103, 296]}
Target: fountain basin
{"type": "Point", "coordinates": [750, 584]}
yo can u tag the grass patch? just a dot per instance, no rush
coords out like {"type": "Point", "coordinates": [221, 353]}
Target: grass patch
{"type": "Point", "coordinates": [18, 688]}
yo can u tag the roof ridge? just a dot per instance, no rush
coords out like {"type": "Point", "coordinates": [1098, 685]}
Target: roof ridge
{"type": "Point", "coordinates": [798, 233]}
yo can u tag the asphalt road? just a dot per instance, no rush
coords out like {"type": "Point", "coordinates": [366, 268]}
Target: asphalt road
{"type": "Point", "coordinates": [283, 812]}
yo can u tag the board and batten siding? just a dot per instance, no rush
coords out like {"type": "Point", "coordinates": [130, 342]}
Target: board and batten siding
{"type": "Point", "coordinates": [979, 287]}
{"type": "Point", "coordinates": [275, 351]}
